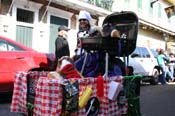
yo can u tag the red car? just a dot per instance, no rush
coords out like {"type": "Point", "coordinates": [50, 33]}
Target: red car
{"type": "Point", "coordinates": [17, 57]}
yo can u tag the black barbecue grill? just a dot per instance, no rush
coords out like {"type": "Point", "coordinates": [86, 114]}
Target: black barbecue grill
{"type": "Point", "coordinates": [127, 24]}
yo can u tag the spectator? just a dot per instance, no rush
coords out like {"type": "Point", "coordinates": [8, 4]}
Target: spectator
{"type": "Point", "coordinates": [161, 59]}
{"type": "Point", "coordinates": [171, 66]}
{"type": "Point", "coordinates": [61, 44]}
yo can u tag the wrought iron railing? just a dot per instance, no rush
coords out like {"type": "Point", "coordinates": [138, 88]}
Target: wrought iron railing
{"type": "Point", "coordinates": [106, 4]}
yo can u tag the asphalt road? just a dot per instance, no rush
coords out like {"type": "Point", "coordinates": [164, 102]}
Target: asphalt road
{"type": "Point", "coordinates": [5, 110]}
{"type": "Point", "coordinates": [158, 100]}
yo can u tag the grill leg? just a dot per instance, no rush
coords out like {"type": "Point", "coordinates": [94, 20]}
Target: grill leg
{"type": "Point", "coordinates": [106, 64]}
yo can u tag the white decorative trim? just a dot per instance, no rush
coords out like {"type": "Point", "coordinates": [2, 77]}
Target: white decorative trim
{"type": "Point", "coordinates": [27, 5]}
{"type": "Point", "coordinates": [59, 13]}
{"type": "Point", "coordinates": [84, 6]}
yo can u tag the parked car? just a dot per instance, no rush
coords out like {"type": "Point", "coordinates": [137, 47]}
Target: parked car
{"type": "Point", "coordinates": [17, 57]}
{"type": "Point", "coordinates": [143, 60]}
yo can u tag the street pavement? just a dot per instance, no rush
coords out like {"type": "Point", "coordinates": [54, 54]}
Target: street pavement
{"type": "Point", "coordinates": [158, 100]}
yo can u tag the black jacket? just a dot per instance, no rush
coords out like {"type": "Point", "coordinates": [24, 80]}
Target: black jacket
{"type": "Point", "coordinates": [61, 47]}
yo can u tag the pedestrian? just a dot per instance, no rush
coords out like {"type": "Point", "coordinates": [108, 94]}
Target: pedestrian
{"type": "Point", "coordinates": [61, 43]}
{"type": "Point", "coordinates": [161, 59]}
{"type": "Point", "coordinates": [171, 66]}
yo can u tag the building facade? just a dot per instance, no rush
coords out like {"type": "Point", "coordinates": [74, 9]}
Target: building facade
{"type": "Point", "coordinates": [156, 30]}
{"type": "Point", "coordinates": [34, 22]}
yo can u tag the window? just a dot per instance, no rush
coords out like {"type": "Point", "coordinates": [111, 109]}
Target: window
{"type": "Point", "coordinates": [154, 53]}
{"type": "Point", "coordinates": [140, 52]}
{"type": "Point", "coordinates": [12, 47]}
{"type": "Point", "coordinates": [25, 16]}
{"type": "Point", "coordinates": [5, 46]}
{"type": "Point", "coordinates": [145, 53]}
{"type": "Point", "coordinates": [136, 53]}
{"type": "Point", "coordinates": [127, 3]}
{"type": "Point", "coordinates": [139, 4]}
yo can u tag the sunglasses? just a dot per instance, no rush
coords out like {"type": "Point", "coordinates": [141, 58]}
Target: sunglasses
{"type": "Point", "coordinates": [83, 20]}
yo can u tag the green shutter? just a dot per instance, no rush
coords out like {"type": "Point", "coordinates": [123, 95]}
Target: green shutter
{"type": "Point", "coordinates": [139, 4]}
{"type": "Point", "coordinates": [55, 22]}
{"type": "Point", "coordinates": [159, 10]}
{"type": "Point", "coordinates": [127, 3]}
{"type": "Point", "coordinates": [150, 9]}
{"type": "Point", "coordinates": [24, 35]}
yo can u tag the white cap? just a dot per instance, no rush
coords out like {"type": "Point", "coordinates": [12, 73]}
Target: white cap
{"type": "Point", "coordinates": [85, 15]}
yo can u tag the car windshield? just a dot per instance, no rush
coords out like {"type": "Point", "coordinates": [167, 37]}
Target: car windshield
{"type": "Point", "coordinates": [154, 52]}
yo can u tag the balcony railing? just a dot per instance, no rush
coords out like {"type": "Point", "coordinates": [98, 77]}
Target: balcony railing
{"type": "Point", "coordinates": [106, 4]}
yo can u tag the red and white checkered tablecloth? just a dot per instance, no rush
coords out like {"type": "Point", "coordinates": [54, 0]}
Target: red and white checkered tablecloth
{"type": "Point", "coordinates": [19, 99]}
{"type": "Point", "coordinates": [48, 98]}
